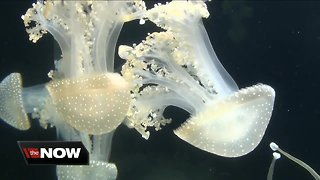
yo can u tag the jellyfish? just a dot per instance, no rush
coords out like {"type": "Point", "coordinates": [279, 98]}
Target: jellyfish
{"type": "Point", "coordinates": [179, 67]}
{"type": "Point", "coordinates": [85, 99]}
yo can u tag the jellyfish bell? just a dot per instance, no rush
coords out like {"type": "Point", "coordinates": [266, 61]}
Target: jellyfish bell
{"type": "Point", "coordinates": [232, 126]}
{"type": "Point", "coordinates": [96, 170]}
{"type": "Point", "coordinates": [12, 110]}
{"type": "Point", "coordinates": [95, 104]}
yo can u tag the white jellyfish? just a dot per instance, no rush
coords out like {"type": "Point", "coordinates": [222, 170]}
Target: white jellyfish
{"type": "Point", "coordinates": [180, 65]}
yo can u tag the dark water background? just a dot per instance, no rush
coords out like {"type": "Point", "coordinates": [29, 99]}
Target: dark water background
{"type": "Point", "coordinates": [272, 42]}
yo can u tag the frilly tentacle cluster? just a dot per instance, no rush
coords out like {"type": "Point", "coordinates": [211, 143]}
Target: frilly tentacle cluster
{"type": "Point", "coordinates": [167, 61]}
{"type": "Point", "coordinates": [175, 15]}
{"type": "Point", "coordinates": [86, 31]}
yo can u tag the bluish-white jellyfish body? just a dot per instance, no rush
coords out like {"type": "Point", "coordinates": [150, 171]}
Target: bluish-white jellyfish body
{"type": "Point", "coordinates": [182, 66]}
{"type": "Point", "coordinates": [85, 100]}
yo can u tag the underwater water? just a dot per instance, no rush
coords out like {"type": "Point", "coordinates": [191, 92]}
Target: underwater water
{"type": "Point", "coordinates": [276, 43]}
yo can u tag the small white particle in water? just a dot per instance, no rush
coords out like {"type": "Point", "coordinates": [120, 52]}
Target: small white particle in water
{"type": "Point", "coordinates": [142, 21]}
